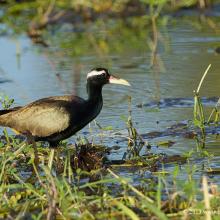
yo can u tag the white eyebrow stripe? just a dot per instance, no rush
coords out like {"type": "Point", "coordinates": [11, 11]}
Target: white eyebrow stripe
{"type": "Point", "coordinates": [95, 73]}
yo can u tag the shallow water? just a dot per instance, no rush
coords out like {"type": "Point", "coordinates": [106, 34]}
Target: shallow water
{"type": "Point", "coordinates": [185, 50]}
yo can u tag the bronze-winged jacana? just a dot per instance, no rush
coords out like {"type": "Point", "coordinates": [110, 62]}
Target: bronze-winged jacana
{"type": "Point", "coordinates": [56, 118]}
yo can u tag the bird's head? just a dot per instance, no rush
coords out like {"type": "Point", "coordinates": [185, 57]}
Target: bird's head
{"type": "Point", "coordinates": [101, 76]}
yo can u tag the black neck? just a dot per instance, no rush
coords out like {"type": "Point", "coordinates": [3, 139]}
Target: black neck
{"type": "Point", "coordinates": [94, 92]}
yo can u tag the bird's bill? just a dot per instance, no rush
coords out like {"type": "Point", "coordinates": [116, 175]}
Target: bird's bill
{"type": "Point", "coordinates": [115, 80]}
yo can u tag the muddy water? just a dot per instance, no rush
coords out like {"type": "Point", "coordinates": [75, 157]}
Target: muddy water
{"type": "Point", "coordinates": [30, 72]}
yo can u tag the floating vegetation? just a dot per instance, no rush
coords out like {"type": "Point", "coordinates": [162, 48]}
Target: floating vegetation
{"type": "Point", "coordinates": [67, 195]}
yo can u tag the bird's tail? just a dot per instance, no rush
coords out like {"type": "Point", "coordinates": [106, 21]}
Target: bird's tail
{"type": "Point", "coordinates": [5, 111]}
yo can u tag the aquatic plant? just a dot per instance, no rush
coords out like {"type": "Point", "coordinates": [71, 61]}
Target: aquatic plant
{"type": "Point", "coordinates": [60, 192]}
{"type": "Point", "coordinates": [200, 120]}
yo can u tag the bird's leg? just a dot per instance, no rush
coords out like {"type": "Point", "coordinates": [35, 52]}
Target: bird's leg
{"type": "Point", "coordinates": [51, 157]}
{"type": "Point", "coordinates": [52, 145]}
{"type": "Point", "coordinates": [31, 141]}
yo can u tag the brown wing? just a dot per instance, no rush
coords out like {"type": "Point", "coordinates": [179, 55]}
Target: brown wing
{"type": "Point", "coordinates": [43, 117]}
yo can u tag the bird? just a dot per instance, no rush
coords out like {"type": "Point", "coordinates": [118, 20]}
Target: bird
{"type": "Point", "coordinates": [56, 118]}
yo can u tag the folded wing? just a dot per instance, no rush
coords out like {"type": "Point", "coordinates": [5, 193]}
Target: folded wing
{"type": "Point", "coordinates": [42, 118]}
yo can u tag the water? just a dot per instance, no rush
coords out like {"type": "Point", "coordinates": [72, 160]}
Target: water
{"type": "Point", "coordinates": [184, 52]}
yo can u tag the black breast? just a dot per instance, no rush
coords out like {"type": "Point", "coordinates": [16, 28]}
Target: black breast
{"type": "Point", "coordinates": [80, 114]}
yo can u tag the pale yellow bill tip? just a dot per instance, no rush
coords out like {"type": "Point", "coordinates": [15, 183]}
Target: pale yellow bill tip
{"type": "Point", "coordinates": [119, 81]}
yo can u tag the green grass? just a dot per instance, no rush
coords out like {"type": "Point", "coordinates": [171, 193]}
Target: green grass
{"type": "Point", "coordinates": [60, 189]}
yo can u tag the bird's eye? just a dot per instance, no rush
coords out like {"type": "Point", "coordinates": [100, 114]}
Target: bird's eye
{"type": "Point", "coordinates": [103, 75]}
{"type": "Point", "coordinates": [100, 77]}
